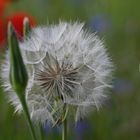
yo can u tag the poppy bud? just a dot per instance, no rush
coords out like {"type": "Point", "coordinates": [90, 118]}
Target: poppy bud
{"type": "Point", "coordinates": [26, 27]}
{"type": "Point", "coordinates": [18, 74]}
{"type": "Point", "coordinates": [17, 21]}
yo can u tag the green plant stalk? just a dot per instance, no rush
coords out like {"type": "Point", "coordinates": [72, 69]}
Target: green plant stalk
{"type": "Point", "coordinates": [64, 130]}
{"type": "Point", "coordinates": [42, 134]}
{"type": "Point", "coordinates": [27, 116]}
{"type": "Point", "coordinates": [18, 75]}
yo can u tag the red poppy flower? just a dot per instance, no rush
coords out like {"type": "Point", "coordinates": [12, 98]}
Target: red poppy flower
{"type": "Point", "coordinates": [17, 21]}
{"type": "Point", "coordinates": [2, 6]}
{"type": "Point", "coordinates": [2, 33]}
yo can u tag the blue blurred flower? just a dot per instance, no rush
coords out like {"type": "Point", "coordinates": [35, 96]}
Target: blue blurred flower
{"type": "Point", "coordinates": [82, 128]}
{"type": "Point", "coordinates": [48, 128]}
{"type": "Point", "coordinates": [123, 86]}
{"type": "Point", "coordinates": [100, 23]}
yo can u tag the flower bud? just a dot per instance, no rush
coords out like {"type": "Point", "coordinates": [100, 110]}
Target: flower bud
{"type": "Point", "coordinates": [26, 27]}
{"type": "Point", "coordinates": [18, 74]}
{"type": "Point", "coordinates": [17, 20]}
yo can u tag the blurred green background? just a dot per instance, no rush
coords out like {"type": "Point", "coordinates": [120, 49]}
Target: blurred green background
{"type": "Point", "coordinates": [118, 23]}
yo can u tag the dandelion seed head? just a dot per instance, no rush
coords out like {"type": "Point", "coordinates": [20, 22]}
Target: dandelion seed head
{"type": "Point", "coordinates": [66, 65]}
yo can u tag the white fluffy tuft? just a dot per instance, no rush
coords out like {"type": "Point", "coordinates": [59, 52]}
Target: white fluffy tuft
{"type": "Point", "coordinates": [65, 44]}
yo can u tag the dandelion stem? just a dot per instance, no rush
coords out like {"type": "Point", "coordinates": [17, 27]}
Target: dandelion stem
{"type": "Point", "coordinates": [64, 131]}
{"type": "Point", "coordinates": [42, 134]}
{"type": "Point", "coordinates": [27, 116]}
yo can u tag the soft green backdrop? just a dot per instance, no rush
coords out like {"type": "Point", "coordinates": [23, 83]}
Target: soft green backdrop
{"type": "Point", "coordinates": [118, 23]}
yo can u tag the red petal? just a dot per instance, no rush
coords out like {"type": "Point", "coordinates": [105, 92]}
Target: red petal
{"type": "Point", "coordinates": [17, 21]}
{"type": "Point", "coordinates": [2, 33]}
{"type": "Point", "coordinates": [2, 7]}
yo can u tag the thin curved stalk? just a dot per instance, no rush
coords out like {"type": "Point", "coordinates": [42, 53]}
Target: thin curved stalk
{"type": "Point", "coordinates": [64, 130]}
{"type": "Point", "coordinates": [27, 116]}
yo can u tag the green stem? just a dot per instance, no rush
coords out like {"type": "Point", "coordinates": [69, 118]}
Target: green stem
{"type": "Point", "coordinates": [64, 131]}
{"type": "Point", "coordinates": [27, 115]}
{"type": "Point", "coordinates": [42, 133]}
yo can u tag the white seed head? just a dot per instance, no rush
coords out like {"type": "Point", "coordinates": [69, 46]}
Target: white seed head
{"type": "Point", "coordinates": [66, 65]}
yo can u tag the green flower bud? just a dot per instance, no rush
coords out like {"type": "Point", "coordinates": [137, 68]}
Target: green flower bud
{"type": "Point", "coordinates": [18, 74]}
{"type": "Point", "coordinates": [26, 27]}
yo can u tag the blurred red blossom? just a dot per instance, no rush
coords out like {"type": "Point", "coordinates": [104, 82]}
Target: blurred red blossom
{"type": "Point", "coordinates": [2, 32]}
{"type": "Point", "coordinates": [3, 4]}
{"type": "Point", "coordinates": [17, 21]}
